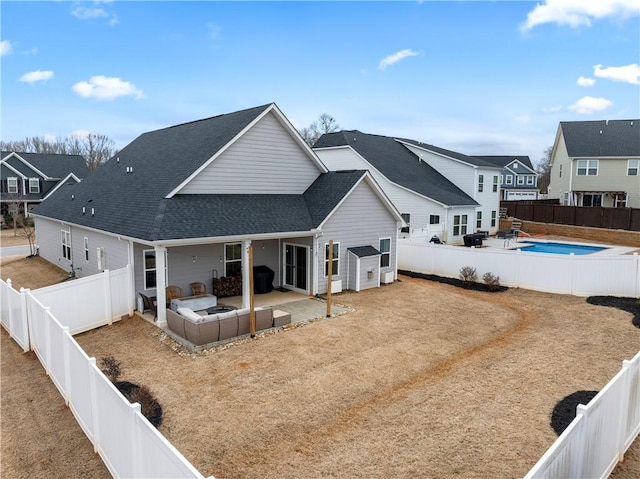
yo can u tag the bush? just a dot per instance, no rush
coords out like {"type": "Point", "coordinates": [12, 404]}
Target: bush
{"type": "Point", "coordinates": [149, 406]}
{"type": "Point", "coordinates": [491, 281]}
{"type": "Point", "coordinates": [468, 275]}
{"type": "Point", "coordinates": [111, 368]}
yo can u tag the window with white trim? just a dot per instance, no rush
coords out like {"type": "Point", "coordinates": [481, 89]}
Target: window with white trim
{"type": "Point", "coordinates": [86, 248]}
{"type": "Point", "coordinates": [407, 219]}
{"type": "Point", "coordinates": [34, 185]}
{"type": "Point", "coordinates": [530, 180]}
{"type": "Point", "coordinates": [460, 225]}
{"type": "Point", "coordinates": [66, 245]}
{"type": "Point", "coordinates": [480, 183]}
{"type": "Point", "coordinates": [232, 259]}
{"type": "Point", "coordinates": [592, 199]}
{"type": "Point", "coordinates": [509, 179]}
{"type": "Point", "coordinates": [501, 179]}
{"type": "Point", "coordinates": [335, 259]}
{"type": "Point", "coordinates": [632, 167]}
{"type": "Point", "coordinates": [149, 265]}
{"type": "Point", "coordinates": [521, 180]}
{"type": "Point", "coordinates": [434, 219]}
{"type": "Point", "coordinates": [493, 218]}
{"type": "Point", "coordinates": [12, 185]}
{"type": "Point", "coordinates": [385, 249]}
{"type": "Point", "coordinates": [495, 184]}
{"type": "Point", "coordinates": [479, 220]}
{"type": "Point", "coordinates": [587, 168]}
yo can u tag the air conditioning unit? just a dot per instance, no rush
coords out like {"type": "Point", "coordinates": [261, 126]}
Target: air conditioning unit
{"type": "Point", "coordinates": [387, 277]}
{"type": "Point", "coordinates": [336, 286]}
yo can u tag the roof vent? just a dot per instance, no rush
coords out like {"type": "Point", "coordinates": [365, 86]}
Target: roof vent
{"type": "Point", "coordinates": [73, 197]}
{"type": "Point", "coordinates": [601, 132]}
{"type": "Point", "coordinates": [606, 122]}
{"type": "Point", "coordinates": [83, 210]}
{"type": "Point", "coordinates": [118, 159]}
{"type": "Point", "coordinates": [93, 211]}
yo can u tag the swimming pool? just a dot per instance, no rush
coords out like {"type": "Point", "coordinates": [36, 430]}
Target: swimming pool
{"type": "Point", "coordinates": [560, 248]}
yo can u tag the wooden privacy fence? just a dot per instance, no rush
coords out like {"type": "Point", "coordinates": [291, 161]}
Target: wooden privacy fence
{"type": "Point", "coordinates": [591, 216]}
{"type": "Point", "coordinates": [601, 433]}
{"type": "Point", "coordinates": [129, 445]}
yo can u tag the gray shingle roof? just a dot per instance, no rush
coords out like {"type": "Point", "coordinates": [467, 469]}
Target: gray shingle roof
{"type": "Point", "coordinates": [55, 166]}
{"type": "Point", "coordinates": [612, 138]}
{"type": "Point", "coordinates": [134, 204]}
{"type": "Point", "coordinates": [398, 164]}
{"type": "Point", "coordinates": [504, 160]}
{"type": "Point", "coordinates": [471, 160]}
{"type": "Point", "coordinates": [364, 251]}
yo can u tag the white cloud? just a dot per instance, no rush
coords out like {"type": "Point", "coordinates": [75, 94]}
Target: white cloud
{"type": "Point", "coordinates": [82, 12]}
{"type": "Point", "coordinates": [589, 104]}
{"type": "Point", "coordinates": [5, 48]}
{"type": "Point", "coordinates": [81, 134]}
{"type": "Point", "coordinates": [36, 76]}
{"type": "Point", "coordinates": [523, 119]}
{"type": "Point", "coordinates": [50, 138]}
{"type": "Point", "coordinates": [106, 88]}
{"type": "Point", "coordinates": [552, 109]}
{"type": "Point", "coordinates": [396, 57]}
{"type": "Point", "coordinates": [584, 81]}
{"type": "Point", "coordinates": [626, 74]}
{"type": "Point", "coordinates": [576, 13]}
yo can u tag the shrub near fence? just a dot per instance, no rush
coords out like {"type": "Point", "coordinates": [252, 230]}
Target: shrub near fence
{"type": "Point", "coordinates": [128, 444]}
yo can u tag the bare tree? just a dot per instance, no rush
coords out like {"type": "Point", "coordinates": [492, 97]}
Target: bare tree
{"type": "Point", "coordinates": [95, 148]}
{"type": "Point", "coordinates": [324, 124]}
{"type": "Point", "coordinates": [543, 168]}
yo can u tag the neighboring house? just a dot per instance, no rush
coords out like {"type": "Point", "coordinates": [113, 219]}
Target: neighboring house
{"type": "Point", "coordinates": [596, 163]}
{"type": "Point", "coordinates": [437, 191]}
{"type": "Point", "coordinates": [518, 179]}
{"type": "Point", "coordinates": [28, 178]}
{"type": "Point", "coordinates": [183, 204]}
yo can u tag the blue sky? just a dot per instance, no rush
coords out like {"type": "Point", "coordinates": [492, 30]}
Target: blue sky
{"type": "Point", "coordinates": [477, 77]}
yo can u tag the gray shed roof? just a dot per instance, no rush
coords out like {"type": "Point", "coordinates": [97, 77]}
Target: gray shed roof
{"type": "Point", "coordinates": [54, 165]}
{"type": "Point", "coordinates": [601, 139]}
{"type": "Point", "coordinates": [398, 164]}
{"type": "Point", "coordinates": [364, 251]}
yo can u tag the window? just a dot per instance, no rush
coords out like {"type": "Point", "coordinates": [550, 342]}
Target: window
{"type": "Point", "coordinates": [86, 248]}
{"type": "Point", "coordinates": [232, 259]}
{"type": "Point", "coordinates": [385, 249]}
{"type": "Point", "coordinates": [560, 172]}
{"type": "Point", "coordinates": [509, 179]}
{"type": "Point", "coordinates": [149, 263]}
{"type": "Point", "coordinates": [480, 183]}
{"type": "Point", "coordinates": [495, 184]}
{"type": "Point", "coordinates": [459, 225]}
{"type": "Point", "coordinates": [335, 259]}
{"type": "Point", "coordinates": [34, 185]}
{"type": "Point", "coordinates": [530, 179]}
{"type": "Point", "coordinates": [632, 167]}
{"type": "Point", "coordinates": [407, 219]}
{"type": "Point", "coordinates": [590, 199]}
{"type": "Point", "coordinates": [521, 180]}
{"type": "Point", "coordinates": [479, 220]}
{"type": "Point", "coordinates": [434, 219]}
{"type": "Point", "coordinates": [501, 179]}
{"type": "Point", "coordinates": [66, 245]}
{"type": "Point", "coordinates": [587, 168]}
{"type": "Point", "coordinates": [12, 185]}
{"type": "Point", "coordinates": [493, 218]}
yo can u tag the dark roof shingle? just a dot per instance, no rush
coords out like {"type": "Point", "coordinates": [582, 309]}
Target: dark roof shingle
{"type": "Point", "coordinates": [604, 138]}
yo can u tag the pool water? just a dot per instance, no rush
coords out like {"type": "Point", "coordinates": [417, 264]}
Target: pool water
{"type": "Point", "coordinates": [561, 248]}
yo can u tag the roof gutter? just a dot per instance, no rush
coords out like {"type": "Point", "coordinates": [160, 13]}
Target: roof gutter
{"type": "Point", "coordinates": [231, 239]}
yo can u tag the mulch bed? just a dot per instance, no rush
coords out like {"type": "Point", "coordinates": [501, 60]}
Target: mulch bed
{"type": "Point", "coordinates": [453, 282]}
{"type": "Point", "coordinates": [565, 411]}
{"type": "Point", "coordinates": [150, 408]}
{"type": "Point", "coordinates": [630, 305]}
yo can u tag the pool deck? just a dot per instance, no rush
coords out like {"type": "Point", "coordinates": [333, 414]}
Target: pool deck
{"type": "Point", "coordinates": [523, 241]}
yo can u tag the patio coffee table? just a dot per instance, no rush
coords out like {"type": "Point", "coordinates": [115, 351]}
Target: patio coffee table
{"type": "Point", "coordinates": [222, 308]}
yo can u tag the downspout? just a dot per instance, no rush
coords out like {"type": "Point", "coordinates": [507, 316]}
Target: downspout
{"type": "Point", "coordinates": [314, 263]}
{"type": "Point", "coordinates": [161, 284]}
{"type": "Point", "coordinates": [446, 224]}
{"type": "Point", "coordinates": [571, 201]}
{"type": "Point", "coordinates": [246, 286]}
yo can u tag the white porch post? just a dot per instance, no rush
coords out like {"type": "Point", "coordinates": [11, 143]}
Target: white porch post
{"type": "Point", "coordinates": [246, 291]}
{"type": "Point", "coordinates": [161, 284]}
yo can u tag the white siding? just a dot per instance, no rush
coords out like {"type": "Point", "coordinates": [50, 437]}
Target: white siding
{"type": "Point", "coordinates": [488, 200]}
{"type": "Point", "coordinates": [560, 176]}
{"type": "Point", "coordinates": [471, 217]}
{"type": "Point", "coordinates": [460, 174]}
{"type": "Point", "coordinates": [360, 221]}
{"type": "Point", "coordinates": [49, 241]}
{"type": "Point", "coordinates": [406, 201]}
{"type": "Point", "coordinates": [266, 159]}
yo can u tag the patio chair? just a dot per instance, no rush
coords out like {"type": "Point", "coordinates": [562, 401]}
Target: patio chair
{"type": "Point", "coordinates": [173, 292]}
{"type": "Point", "coordinates": [197, 289]}
{"type": "Point", "coordinates": [149, 303]}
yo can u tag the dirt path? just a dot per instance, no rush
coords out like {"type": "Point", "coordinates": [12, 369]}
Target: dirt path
{"type": "Point", "coordinates": [421, 380]}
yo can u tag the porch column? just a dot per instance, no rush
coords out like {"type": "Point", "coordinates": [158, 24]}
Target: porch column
{"type": "Point", "coordinates": [161, 284]}
{"type": "Point", "coordinates": [246, 292]}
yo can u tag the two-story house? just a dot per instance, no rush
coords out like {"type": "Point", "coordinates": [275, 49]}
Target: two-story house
{"type": "Point", "coordinates": [438, 192]}
{"type": "Point", "coordinates": [596, 163]}
{"type": "Point", "coordinates": [518, 178]}
{"type": "Point", "coordinates": [28, 178]}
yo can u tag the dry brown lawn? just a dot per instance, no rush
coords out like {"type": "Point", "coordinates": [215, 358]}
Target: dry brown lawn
{"type": "Point", "coordinates": [421, 380]}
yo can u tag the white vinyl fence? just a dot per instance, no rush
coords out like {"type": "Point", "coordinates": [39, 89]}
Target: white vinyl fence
{"type": "Point", "coordinates": [129, 445]}
{"type": "Point", "coordinates": [602, 431]}
{"type": "Point", "coordinates": [582, 275]}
